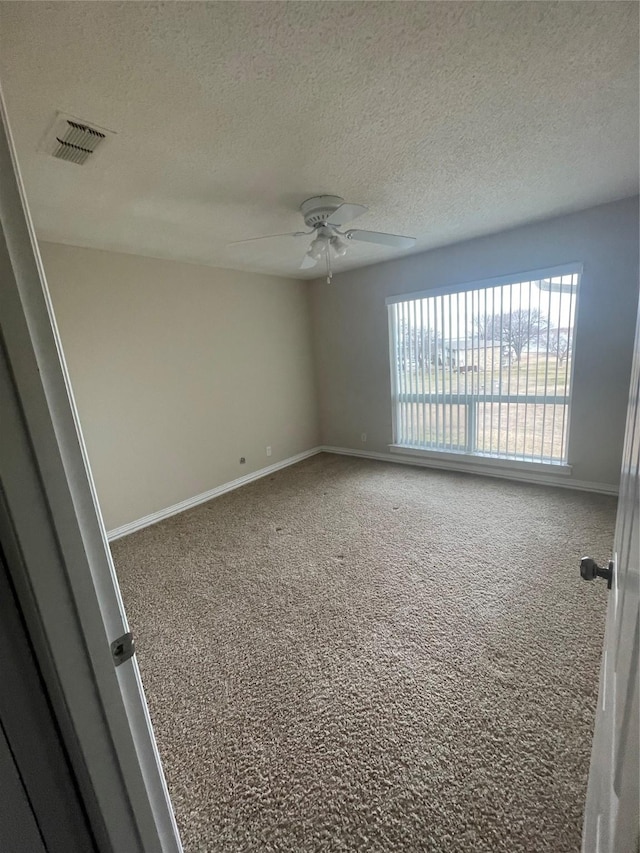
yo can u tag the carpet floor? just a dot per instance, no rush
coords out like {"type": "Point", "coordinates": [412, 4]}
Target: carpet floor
{"type": "Point", "coordinates": [352, 655]}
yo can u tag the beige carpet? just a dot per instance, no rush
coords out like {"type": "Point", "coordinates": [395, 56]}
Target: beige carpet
{"type": "Point", "coordinates": [359, 656]}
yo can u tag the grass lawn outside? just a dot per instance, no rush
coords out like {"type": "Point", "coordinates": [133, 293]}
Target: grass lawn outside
{"type": "Point", "coordinates": [533, 374]}
{"type": "Point", "coordinates": [520, 430]}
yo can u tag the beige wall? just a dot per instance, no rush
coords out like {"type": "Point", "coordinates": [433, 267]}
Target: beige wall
{"type": "Point", "coordinates": [351, 333]}
{"type": "Point", "coordinates": [179, 370]}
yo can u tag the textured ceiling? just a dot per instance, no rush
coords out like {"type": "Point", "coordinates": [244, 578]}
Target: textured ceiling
{"type": "Point", "coordinates": [448, 120]}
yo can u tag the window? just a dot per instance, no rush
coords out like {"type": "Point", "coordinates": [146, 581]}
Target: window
{"type": "Point", "coordinates": [486, 370]}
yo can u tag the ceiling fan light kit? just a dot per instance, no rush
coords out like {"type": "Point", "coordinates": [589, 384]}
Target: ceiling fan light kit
{"type": "Point", "coordinates": [324, 215]}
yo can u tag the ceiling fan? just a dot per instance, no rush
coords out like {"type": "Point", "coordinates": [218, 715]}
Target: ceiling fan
{"type": "Point", "coordinates": [325, 215]}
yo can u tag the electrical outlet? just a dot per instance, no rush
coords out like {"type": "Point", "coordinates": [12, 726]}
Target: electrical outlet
{"type": "Point", "coordinates": [242, 460]}
{"type": "Point", "coordinates": [363, 437]}
{"type": "Point", "coordinates": [268, 451]}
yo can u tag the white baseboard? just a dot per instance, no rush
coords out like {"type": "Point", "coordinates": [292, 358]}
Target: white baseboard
{"type": "Point", "coordinates": [483, 470]}
{"type": "Point", "coordinates": [487, 471]}
{"type": "Point", "coordinates": [155, 517]}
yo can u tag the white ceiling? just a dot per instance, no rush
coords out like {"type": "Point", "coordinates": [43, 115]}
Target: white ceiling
{"type": "Point", "coordinates": [448, 120]}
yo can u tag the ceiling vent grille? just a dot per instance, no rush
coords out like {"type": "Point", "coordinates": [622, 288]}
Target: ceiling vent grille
{"type": "Point", "coordinates": [73, 140]}
{"type": "Point", "coordinates": [78, 143]}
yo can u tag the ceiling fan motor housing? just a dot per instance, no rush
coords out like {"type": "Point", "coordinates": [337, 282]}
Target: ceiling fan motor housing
{"type": "Point", "coordinates": [318, 209]}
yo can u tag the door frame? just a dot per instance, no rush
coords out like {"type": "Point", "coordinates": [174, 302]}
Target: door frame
{"type": "Point", "coordinates": [58, 557]}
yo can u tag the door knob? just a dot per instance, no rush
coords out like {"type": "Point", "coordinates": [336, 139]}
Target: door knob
{"type": "Point", "coordinates": [590, 570]}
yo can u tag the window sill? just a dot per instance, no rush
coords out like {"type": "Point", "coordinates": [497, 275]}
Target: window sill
{"type": "Point", "coordinates": [481, 461]}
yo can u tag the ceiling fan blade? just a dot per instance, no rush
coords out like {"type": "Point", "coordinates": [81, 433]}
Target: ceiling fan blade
{"type": "Point", "coordinates": [270, 237]}
{"type": "Point", "coordinates": [397, 241]}
{"type": "Point", "coordinates": [346, 213]}
{"type": "Point", "coordinates": [308, 262]}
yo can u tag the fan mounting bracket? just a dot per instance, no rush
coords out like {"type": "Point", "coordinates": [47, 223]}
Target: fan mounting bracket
{"type": "Point", "coordinates": [317, 210]}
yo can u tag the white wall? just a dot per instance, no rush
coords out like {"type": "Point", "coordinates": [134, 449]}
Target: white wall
{"type": "Point", "coordinates": [351, 333]}
{"type": "Point", "coordinates": [179, 370]}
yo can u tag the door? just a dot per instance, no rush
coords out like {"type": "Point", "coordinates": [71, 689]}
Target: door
{"type": "Point", "coordinates": [612, 813]}
{"type": "Point", "coordinates": [58, 559]}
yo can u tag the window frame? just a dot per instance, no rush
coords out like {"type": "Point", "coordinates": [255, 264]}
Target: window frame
{"type": "Point", "coordinates": [483, 460]}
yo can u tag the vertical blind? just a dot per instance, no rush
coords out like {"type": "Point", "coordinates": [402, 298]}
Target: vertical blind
{"type": "Point", "coordinates": [487, 370]}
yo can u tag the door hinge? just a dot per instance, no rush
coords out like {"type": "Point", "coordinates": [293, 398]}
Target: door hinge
{"type": "Point", "coordinates": [123, 648]}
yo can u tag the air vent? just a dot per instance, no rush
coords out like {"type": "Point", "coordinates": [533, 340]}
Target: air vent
{"type": "Point", "coordinates": [77, 143]}
{"type": "Point", "coordinates": [73, 140]}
